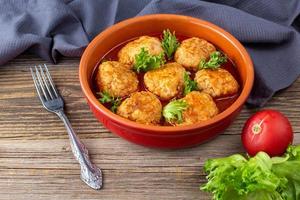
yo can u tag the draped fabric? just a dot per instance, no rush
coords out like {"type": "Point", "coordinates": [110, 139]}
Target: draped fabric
{"type": "Point", "coordinates": [269, 29]}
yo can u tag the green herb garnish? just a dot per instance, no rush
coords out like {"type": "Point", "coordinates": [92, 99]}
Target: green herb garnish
{"type": "Point", "coordinates": [145, 62]}
{"type": "Point", "coordinates": [214, 62]}
{"type": "Point", "coordinates": [257, 178]}
{"type": "Point", "coordinates": [189, 85]}
{"type": "Point", "coordinates": [106, 98]}
{"type": "Point", "coordinates": [173, 111]}
{"type": "Point", "coordinates": [169, 43]}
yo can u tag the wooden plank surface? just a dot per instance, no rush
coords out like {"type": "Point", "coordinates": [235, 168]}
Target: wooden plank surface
{"type": "Point", "coordinates": [35, 157]}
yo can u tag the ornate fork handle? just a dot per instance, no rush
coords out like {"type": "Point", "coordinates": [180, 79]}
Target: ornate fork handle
{"type": "Point", "coordinates": [90, 173]}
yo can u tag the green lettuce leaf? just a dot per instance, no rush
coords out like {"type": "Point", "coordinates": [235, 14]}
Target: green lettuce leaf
{"type": "Point", "coordinates": [289, 170]}
{"type": "Point", "coordinates": [256, 178]}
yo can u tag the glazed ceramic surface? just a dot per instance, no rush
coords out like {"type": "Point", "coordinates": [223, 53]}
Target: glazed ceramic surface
{"type": "Point", "coordinates": [165, 136]}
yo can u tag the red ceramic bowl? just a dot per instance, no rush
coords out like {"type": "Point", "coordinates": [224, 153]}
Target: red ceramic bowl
{"type": "Point", "coordinates": [165, 136]}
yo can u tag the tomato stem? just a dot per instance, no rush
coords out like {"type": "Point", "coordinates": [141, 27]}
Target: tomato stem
{"type": "Point", "coordinates": [256, 128]}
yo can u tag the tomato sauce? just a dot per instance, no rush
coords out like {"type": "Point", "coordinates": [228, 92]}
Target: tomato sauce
{"type": "Point", "coordinates": [222, 102]}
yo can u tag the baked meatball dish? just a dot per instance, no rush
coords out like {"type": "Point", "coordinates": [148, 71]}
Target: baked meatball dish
{"type": "Point", "coordinates": [165, 80]}
{"type": "Point", "coordinates": [217, 83]}
{"type": "Point", "coordinates": [200, 106]}
{"type": "Point", "coordinates": [128, 53]}
{"type": "Point", "coordinates": [143, 107]}
{"type": "Point", "coordinates": [191, 51]}
{"type": "Point", "coordinates": [116, 79]}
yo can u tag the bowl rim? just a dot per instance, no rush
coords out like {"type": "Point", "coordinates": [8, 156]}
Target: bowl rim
{"type": "Point", "coordinates": [84, 82]}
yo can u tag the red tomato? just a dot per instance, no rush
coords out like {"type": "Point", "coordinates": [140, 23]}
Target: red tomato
{"type": "Point", "coordinates": [269, 131]}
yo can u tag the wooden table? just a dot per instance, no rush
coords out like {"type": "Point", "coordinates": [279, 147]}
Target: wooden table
{"type": "Point", "coordinates": [36, 161]}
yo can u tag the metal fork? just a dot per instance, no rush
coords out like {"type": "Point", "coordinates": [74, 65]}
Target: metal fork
{"type": "Point", "coordinates": [53, 102]}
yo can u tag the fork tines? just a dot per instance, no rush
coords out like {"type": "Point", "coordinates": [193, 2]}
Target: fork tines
{"type": "Point", "coordinates": [43, 83]}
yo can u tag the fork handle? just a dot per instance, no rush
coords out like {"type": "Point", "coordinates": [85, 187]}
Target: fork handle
{"type": "Point", "coordinates": [90, 173]}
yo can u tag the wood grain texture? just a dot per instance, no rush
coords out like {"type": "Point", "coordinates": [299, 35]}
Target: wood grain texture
{"type": "Point", "coordinates": [35, 157]}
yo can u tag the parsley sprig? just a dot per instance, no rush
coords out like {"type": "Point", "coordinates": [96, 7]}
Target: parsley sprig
{"type": "Point", "coordinates": [145, 62]}
{"type": "Point", "coordinates": [172, 112]}
{"type": "Point", "coordinates": [214, 62]}
{"type": "Point", "coordinates": [189, 84]}
{"type": "Point", "coordinates": [106, 98]}
{"type": "Point", "coordinates": [169, 43]}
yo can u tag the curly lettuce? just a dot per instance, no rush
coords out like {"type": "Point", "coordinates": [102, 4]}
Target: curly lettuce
{"type": "Point", "coordinates": [256, 178]}
{"type": "Point", "coordinates": [172, 112]}
{"type": "Point", "coordinates": [169, 43]}
{"type": "Point", "coordinates": [144, 61]}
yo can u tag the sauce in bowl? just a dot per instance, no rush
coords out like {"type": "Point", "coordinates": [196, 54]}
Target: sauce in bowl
{"type": "Point", "coordinates": [222, 102]}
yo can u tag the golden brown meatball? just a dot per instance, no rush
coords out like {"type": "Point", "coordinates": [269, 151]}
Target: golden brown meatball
{"type": "Point", "coordinates": [165, 82]}
{"type": "Point", "coordinates": [217, 82]}
{"type": "Point", "coordinates": [116, 79]}
{"type": "Point", "coordinates": [201, 107]}
{"type": "Point", "coordinates": [127, 54]}
{"type": "Point", "coordinates": [191, 51]}
{"type": "Point", "coordinates": [143, 107]}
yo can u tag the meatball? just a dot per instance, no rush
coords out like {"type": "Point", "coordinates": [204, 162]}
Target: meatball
{"type": "Point", "coordinates": [127, 54]}
{"type": "Point", "coordinates": [201, 107]}
{"type": "Point", "coordinates": [116, 79]}
{"type": "Point", "coordinates": [217, 82]}
{"type": "Point", "coordinates": [143, 107]}
{"type": "Point", "coordinates": [192, 51]}
{"type": "Point", "coordinates": [165, 82]}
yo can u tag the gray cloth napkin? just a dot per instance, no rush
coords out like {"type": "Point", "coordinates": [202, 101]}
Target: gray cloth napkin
{"type": "Point", "coordinates": [270, 30]}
